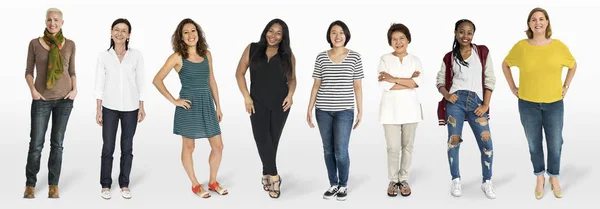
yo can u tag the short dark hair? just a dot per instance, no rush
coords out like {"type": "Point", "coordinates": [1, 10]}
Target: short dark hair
{"type": "Point", "coordinates": [344, 28]}
{"type": "Point", "coordinates": [398, 27]}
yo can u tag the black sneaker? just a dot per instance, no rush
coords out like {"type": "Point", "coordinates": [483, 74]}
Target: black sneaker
{"type": "Point", "coordinates": [342, 193]}
{"type": "Point", "coordinates": [331, 192]}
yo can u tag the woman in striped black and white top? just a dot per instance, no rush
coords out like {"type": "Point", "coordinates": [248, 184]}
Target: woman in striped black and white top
{"type": "Point", "coordinates": [338, 73]}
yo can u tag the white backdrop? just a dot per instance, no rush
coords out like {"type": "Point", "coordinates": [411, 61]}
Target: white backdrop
{"type": "Point", "coordinates": [158, 178]}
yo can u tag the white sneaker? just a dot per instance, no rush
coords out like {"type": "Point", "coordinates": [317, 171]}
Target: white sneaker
{"type": "Point", "coordinates": [456, 189]}
{"type": "Point", "coordinates": [488, 189]}
{"type": "Point", "coordinates": [126, 193]}
{"type": "Point", "coordinates": [105, 194]}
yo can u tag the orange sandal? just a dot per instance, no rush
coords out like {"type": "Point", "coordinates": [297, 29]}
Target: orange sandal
{"type": "Point", "coordinates": [216, 187]}
{"type": "Point", "coordinates": [196, 190]}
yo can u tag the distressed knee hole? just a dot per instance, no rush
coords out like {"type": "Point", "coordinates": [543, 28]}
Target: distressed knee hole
{"type": "Point", "coordinates": [487, 164]}
{"type": "Point", "coordinates": [454, 141]}
{"type": "Point", "coordinates": [452, 120]}
{"type": "Point", "coordinates": [487, 152]}
{"type": "Point", "coordinates": [485, 136]}
{"type": "Point", "coordinates": [482, 121]}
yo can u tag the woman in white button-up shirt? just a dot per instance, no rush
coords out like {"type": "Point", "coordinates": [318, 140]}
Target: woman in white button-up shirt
{"type": "Point", "coordinates": [400, 109]}
{"type": "Point", "coordinates": [119, 96]}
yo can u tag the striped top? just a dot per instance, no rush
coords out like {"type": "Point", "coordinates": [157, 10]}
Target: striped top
{"type": "Point", "coordinates": [200, 121]}
{"type": "Point", "coordinates": [336, 92]}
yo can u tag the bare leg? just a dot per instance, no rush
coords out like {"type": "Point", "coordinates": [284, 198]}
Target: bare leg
{"type": "Point", "coordinates": [188, 162]}
{"type": "Point", "coordinates": [216, 153]}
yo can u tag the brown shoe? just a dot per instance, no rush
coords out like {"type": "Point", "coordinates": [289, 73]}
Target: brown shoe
{"type": "Point", "coordinates": [29, 190]}
{"type": "Point", "coordinates": [53, 193]}
{"type": "Point", "coordinates": [404, 188]}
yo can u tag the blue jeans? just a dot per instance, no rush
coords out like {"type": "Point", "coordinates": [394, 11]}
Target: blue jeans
{"type": "Point", "coordinates": [335, 128]}
{"type": "Point", "coordinates": [110, 124]}
{"type": "Point", "coordinates": [549, 117]}
{"type": "Point", "coordinates": [40, 115]}
{"type": "Point", "coordinates": [464, 109]}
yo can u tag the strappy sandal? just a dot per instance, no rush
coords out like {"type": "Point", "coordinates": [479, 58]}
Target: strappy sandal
{"type": "Point", "coordinates": [393, 188]}
{"type": "Point", "coordinates": [196, 190]}
{"type": "Point", "coordinates": [266, 183]}
{"type": "Point", "coordinates": [216, 187]}
{"type": "Point", "coordinates": [276, 191]}
{"type": "Point", "coordinates": [404, 188]}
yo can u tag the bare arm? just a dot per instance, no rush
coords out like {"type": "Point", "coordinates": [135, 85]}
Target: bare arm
{"type": "Point", "coordinates": [399, 87]}
{"type": "Point", "coordinates": [408, 82]}
{"type": "Point", "coordinates": [240, 76]}
{"type": "Point", "coordinates": [174, 61]}
{"type": "Point", "coordinates": [98, 105]}
{"type": "Point", "coordinates": [313, 94]}
{"type": "Point", "coordinates": [213, 82]}
{"type": "Point", "coordinates": [292, 78]}
{"type": "Point", "coordinates": [443, 91]}
{"type": "Point", "coordinates": [240, 73]}
{"type": "Point", "coordinates": [509, 78]}
{"type": "Point", "coordinates": [359, 100]}
{"type": "Point", "coordinates": [358, 94]}
{"type": "Point", "coordinates": [570, 75]}
{"type": "Point", "coordinates": [288, 101]}
{"type": "Point", "coordinates": [487, 96]}
{"type": "Point", "coordinates": [312, 101]}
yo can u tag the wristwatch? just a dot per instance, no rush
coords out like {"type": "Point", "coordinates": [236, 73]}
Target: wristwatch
{"type": "Point", "coordinates": [566, 86]}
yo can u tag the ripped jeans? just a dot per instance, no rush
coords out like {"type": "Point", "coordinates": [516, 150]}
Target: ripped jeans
{"type": "Point", "coordinates": [464, 110]}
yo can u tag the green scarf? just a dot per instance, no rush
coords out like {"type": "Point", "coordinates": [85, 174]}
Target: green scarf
{"type": "Point", "coordinates": [55, 65]}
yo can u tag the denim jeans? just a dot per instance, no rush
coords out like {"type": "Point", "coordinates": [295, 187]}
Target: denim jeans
{"type": "Point", "coordinates": [549, 117]}
{"type": "Point", "coordinates": [335, 128]}
{"type": "Point", "coordinates": [41, 110]}
{"type": "Point", "coordinates": [110, 124]}
{"type": "Point", "coordinates": [464, 109]}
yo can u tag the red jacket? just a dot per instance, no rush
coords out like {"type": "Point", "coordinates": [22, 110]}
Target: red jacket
{"type": "Point", "coordinates": [482, 52]}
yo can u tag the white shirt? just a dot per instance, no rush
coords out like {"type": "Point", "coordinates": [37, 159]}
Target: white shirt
{"type": "Point", "coordinates": [120, 84]}
{"type": "Point", "coordinates": [400, 106]}
{"type": "Point", "coordinates": [468, 78]}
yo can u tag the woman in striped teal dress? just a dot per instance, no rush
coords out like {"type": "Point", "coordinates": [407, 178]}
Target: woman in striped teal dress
{"type": "Point", "coordinates": [195, 113]}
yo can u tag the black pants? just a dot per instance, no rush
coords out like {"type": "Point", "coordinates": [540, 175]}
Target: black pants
{"type": "Point", "coordinates": [109, 132]}
{"type": "Point", "coordinates": [267, 126]}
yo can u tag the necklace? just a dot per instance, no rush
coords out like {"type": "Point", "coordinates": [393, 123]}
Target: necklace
{"type": "Point", "coordinates": [120, 54]}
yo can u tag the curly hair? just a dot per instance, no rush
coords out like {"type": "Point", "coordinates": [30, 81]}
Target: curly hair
{"type": "Point", "coordinates": [179, 45]}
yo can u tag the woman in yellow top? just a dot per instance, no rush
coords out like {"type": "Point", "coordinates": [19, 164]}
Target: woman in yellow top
{"type": "Point", "coordinates": [540, 60]}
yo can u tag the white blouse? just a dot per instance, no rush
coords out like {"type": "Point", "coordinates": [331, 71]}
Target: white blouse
{"type": "Point", "coordinates": [120, 85]}
{"type": "Point", "coordinates": [400, 106]}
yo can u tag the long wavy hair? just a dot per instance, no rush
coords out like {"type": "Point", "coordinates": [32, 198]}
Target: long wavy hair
{"type": "Point", "coordinates": [179, 45]}
{"type": "Point", "coordinates": [284, 51]}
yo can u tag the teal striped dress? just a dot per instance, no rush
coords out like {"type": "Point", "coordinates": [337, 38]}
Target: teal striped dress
{"type": "Point", "coordinates": [200, 121]}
